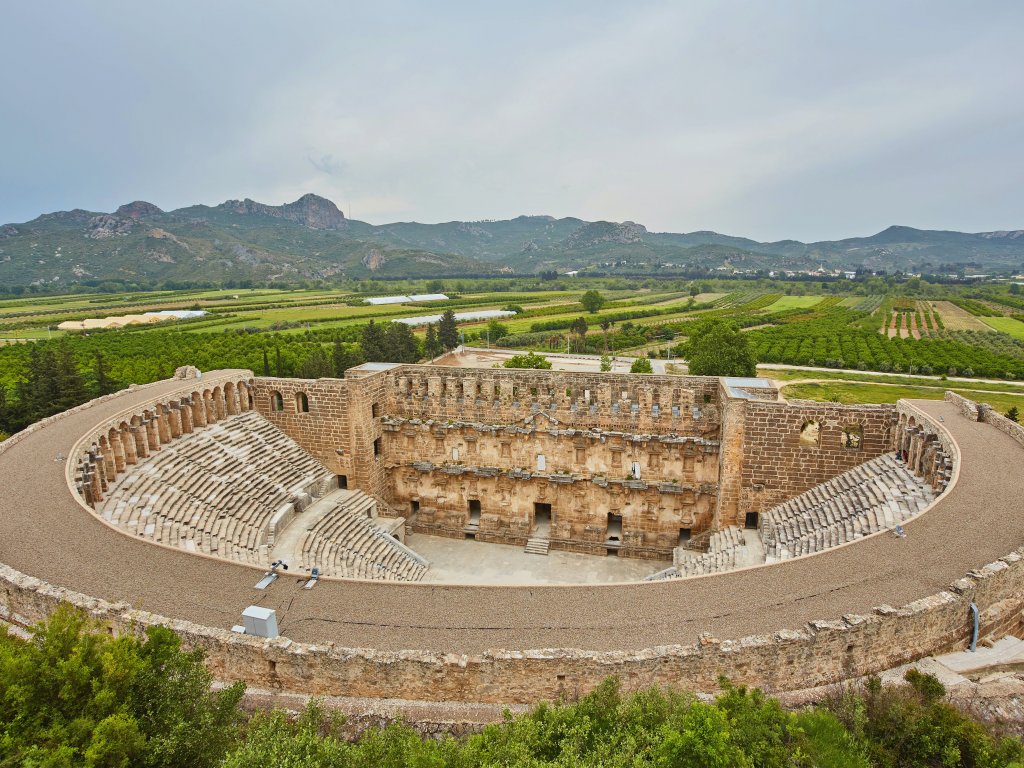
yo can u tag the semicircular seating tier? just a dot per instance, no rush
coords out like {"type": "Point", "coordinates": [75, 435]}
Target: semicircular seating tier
{"type": "Point", "coordinates": [346, 542]}
{"type": "Point", "coordinates": [874, 496]}
{"type": "Point", "coordinates": [877, 495]}
{"type": "Point", "coordinates": [231, 488]}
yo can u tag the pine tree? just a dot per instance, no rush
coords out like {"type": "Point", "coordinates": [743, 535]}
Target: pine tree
{"type": "Point", "coordinates": [432, 345]}
{"type": "Point", "coordinates": [400, 344]}
{"type": "Point", "coordinates": [70, 384]}
{"type": "Point", "coordinates": [6, 425]}
{"type": "Point", "coordinates": [266, 363]}
{"type": "Point", "coordinates": [343, 358]}
{"type": "Point", "coordinates": [317, 365]}
{"type": "Point", "coordinates": [104, 384]}
{"type": "Point", "coordinates": [372, 342]}
{"type": "Point", "coordinates": [280, 367]}
{"type": "Point", "coordinates": [448, 331]}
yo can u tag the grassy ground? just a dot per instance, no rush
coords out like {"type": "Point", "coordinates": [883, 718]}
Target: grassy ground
{"type": "Point", "coordinates": [1007, 325]}
{"type": "Point", "coordinates": [794, 302]}
{"type": "Point", "coordinates": [881, 393]}
{"type": "Point", "coordinates": [783, 375]}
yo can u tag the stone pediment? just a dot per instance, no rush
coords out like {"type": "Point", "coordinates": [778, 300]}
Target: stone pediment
{"type": "Point", "coordinates": [540, 420]}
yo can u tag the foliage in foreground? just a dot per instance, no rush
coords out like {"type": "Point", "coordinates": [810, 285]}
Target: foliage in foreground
{"type": "Point", "coordinates": [74, 696]}
{"type": "Point", "coordinates": [887, 727]}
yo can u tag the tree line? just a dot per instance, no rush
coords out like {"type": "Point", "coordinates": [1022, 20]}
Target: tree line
{"type": "Point", "coordinates": [73, 695]}
{"type": "Point", "coordinates": [46, 377]}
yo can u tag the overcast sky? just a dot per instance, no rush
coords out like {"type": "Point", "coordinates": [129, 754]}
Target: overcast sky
{"type": "Point", "coordinates": [774, 119]}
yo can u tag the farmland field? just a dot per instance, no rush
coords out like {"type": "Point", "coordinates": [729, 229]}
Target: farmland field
{"type": "Point", "coordinates": [883, 393]}
{"type": "Point", "coordinates": [956, 319]}
{"type": "Point", "coordinates": [794, 302]}
{"type": "Point", "coordinates": [312, 332]}
{"type": "Point", "coordinates": [1008, 325]}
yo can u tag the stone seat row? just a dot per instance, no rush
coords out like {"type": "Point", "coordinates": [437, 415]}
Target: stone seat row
{"type": "Point", "coordinates": [871, 497]}
{"type": "Point", "coordinates": [346, 542]}
{"type": "Point", "coordinates": [216, 490]}
{"type": "Point", "coordinates": [724, 546]}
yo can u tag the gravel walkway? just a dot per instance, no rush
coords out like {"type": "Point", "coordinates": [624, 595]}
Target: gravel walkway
{"type": "Point", "coordinates": [43, 532]}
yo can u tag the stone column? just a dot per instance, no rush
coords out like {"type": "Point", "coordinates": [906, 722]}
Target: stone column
{"type": "Point", "coordinates": [198, 411]}
{"type": "Point", "coordinates": [208, 409]}
{"type": "Point", "coordinates": [185, 410]}
{"type": "Point", "coordinates": [163, 425]}
{"type": "Point", "coordinates": [117, 450]}
{"type": "Point", "coordinates": [220, 406]}
{"type": "Point", "coordinates": [231, 401]}
{"type": "Point", "coordinates": [152, 432]}
{"type": "Point", "coordinates": [174, 420]}
{"type": "Point", "coordinates": [131, 454]}
{"type": "Point", "coordinates": [109, 466]}
{"type": "Point", "coordinates": [95, 483]}
{"type": "Point", "coordinates": [141, 445]}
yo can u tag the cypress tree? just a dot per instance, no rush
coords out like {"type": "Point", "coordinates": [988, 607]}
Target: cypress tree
{"type": "Point", "coordinates": [372, 343]}
{"type": "Point", "coordinates": [448, 331]}
{"type": "Point", "coordinates": [432, 345]}
{"type": "Point", "coordinates": [104, 384]}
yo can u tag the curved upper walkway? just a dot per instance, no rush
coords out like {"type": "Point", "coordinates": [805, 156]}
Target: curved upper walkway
{"type": "Point", "coordinates": [45, 533]}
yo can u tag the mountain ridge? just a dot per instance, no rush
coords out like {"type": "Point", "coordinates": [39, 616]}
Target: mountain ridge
{"type": "Point", "coordinates": [311, 238]}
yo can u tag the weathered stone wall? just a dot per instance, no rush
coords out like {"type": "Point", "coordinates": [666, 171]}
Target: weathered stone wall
{"type": "Point", "coordinates": [657, 485]}
{"type": "Point", "coordinates": [670, 455]}
{"type": "Point", "coordinates": [325, 431]}
{"type": "Point", "coordinates": [339, 427]}
{"type": "Point", "coordinates": [685, 405]}
{"type": "Point", "coordinates": [583, 512]}
{"type": "Point", "coordinates": [968, 408]}
{"type": "Point", "coordinates": [731, 462]}
{"type": "Point", "coordinates": [776, 466]}
{"type": "Point", "coordinates": [821, 653]}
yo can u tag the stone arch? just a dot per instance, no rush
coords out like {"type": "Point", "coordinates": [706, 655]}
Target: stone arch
{"type": "Point", "coordinates": [852, 437]}
{"type": "Point", "coordinates": [301, 402]}
{"type": "Point", "coordinates": [810, 433]}
{"type": "Point", "coordinates": [276, 401]}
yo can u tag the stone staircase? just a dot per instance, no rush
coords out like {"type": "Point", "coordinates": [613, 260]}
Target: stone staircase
{"type": "Point", "coordinates": [537, 546]}
{"type": "Point", "coordinates": [874, 496]}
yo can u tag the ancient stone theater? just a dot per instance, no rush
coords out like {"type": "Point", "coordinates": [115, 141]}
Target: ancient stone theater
{"type": "Point", "coordinates": [443, 534]}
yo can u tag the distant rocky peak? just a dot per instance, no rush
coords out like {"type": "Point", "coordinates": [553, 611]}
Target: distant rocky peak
{"type": "Point", "coordinates": [137, 210]}
{"type": "Point", "coordinates": [596, 232]}
{"type": "Point", "coordinates": [309, 210]}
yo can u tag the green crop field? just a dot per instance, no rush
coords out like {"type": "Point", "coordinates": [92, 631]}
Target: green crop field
{"type": "Point", "coordinates": [794, 302]}
{"type": "Point", "coordinates": [883, 393]}
{"type": "Point", "coordinates": [287, 331]}
{"type": "Point", "coordinates": [1008, 325]}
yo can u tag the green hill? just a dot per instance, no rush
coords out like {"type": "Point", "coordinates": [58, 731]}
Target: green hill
{"type": "Point", "coordinates": [311, 239]}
